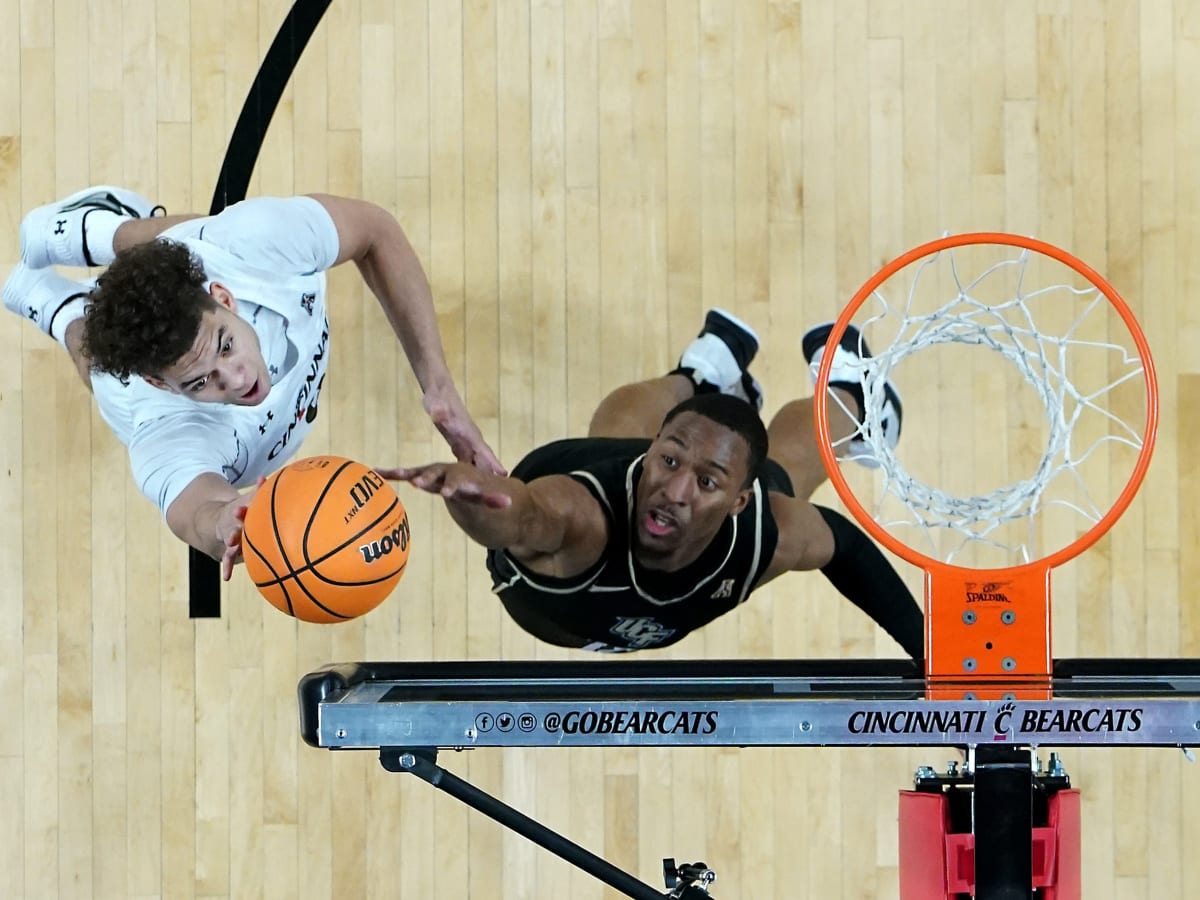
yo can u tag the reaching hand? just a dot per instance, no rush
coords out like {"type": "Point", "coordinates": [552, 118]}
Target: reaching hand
{"type": "Point", "coordinates": [232, 518]}
{"type": "Point", "coordinates": [229, 528]}
{"type": "Point", "coordinates": [452, 482]}
{"type": "Point", "coordinates": [460, 431]}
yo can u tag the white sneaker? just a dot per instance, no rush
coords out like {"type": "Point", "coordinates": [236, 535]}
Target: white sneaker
{"type": "Point", "coordinates": [44, 297]}
{"type": "Point", "coordinates": [721, 355]}
{"type": "Point", "coordinates": [846, 372]}
{"type": "Point", "coordinates": [56, 234]}
{"type": "Point", "coordinates": [746, 388]}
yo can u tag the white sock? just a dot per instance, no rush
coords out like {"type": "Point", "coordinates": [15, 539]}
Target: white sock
{"type": "Point", "coordinates": [73, 310]}
{"type": "Point", "coordinates": [100, 228]}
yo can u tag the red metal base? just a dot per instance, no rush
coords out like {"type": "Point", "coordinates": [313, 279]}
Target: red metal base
{"type": "Point", "coordinates": [936, 864]}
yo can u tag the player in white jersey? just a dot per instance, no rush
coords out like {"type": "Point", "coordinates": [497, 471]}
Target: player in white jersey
{"type": "Point", "coordinates": [206, 340]}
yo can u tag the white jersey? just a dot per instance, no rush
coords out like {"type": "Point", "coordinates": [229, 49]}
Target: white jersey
{"type": "Point", "coordinates": [271, 254]}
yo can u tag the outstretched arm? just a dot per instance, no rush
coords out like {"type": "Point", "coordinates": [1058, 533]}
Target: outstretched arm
{"type": "Point", "coordinates": [374, 240]}
{"type": "Point", "coordinates": [551, 524]}
{"type": "Point", "coordinates": [208, 515]}
{"type": "Point", "coordinates": [814, 537]}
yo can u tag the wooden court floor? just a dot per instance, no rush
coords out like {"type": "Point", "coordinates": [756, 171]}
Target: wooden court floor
{"type": "Point", "coordinates": [581, 178]}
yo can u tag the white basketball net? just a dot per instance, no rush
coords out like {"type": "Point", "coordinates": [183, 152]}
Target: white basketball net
{"type": "Point", "coordinates": [1037, 331]}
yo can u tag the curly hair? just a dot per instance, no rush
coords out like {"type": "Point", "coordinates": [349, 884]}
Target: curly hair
{"type": "Point", "coordinates": [145, 311]}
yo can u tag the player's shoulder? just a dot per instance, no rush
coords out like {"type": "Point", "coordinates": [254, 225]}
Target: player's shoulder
{"type": "Point", "coordinates": [271, 210]}
{"type": "Point", "coordinates": [292, 234]}
{"type": "Point", "coordinates": [124, 397]}
{"type": "Point", "coordinates": [590, 454]}
{"type": "Point", "coordinates": [800, 533]}
{"type": "Point", "coordinates": [133, 408]}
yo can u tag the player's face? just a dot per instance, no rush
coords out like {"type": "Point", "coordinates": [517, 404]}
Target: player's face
{"type": "Point", "coordinates": [225, 364]}
{"type": "Point", "coordinates": [691, 481]}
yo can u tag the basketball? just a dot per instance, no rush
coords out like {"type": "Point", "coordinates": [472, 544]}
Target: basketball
{"type": "Point", "coordinates": [325, 539]}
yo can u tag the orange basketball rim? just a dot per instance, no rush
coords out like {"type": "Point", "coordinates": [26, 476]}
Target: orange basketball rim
{"type": "Point", "coordinates": [989, 648]}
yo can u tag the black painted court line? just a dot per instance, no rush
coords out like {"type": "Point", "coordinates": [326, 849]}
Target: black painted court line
{"type": "Point", "coordinates": [204, 574]}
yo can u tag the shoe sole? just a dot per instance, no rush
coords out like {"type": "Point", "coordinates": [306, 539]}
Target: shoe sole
{"type": "Point", "coordinates": [851, 341]}
{"type": "Point", "coordinates": [10, 292]}
{"type": "Point", "coordinates": [818, 337]}
{"type": "Point", "coordinates": [736, 323]}
{"type": "Point", "coordinates": [37, 216]}
{"type": "Point", "coordinates": [25, 280]}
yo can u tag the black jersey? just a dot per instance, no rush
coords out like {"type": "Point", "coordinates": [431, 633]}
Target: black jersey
{"type": "Point", "coordinates": [618, 604]}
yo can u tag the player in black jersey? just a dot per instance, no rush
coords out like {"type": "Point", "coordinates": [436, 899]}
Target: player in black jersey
{"type": "Point", "coordinates": [670, 513]}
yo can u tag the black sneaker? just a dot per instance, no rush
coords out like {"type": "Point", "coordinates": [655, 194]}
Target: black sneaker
{"type": "Point", "coordinates": [846, 372]}
{"type": "Point", "coordinates": [720, 356]}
